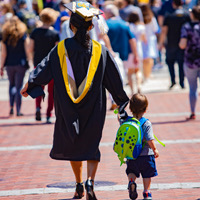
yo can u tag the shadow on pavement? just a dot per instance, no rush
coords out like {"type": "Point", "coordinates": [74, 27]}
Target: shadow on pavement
{"type": "Point", "coordinates": [5, 117]}
{"type": "Point", "coordinates": [72, 184]}
{"type": "Point", "coordinates": [170, 122]}
{"type": "Point", "coordinates": [26, 124]}
{"type": "Point", "coordinates": [65, 199]}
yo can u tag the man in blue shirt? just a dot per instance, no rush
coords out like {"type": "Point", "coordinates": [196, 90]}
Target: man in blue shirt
{"type": "Point", "coordinates": [121, 38]}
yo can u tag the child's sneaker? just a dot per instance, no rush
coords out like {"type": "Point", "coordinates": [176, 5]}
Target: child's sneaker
{"type": "Point", "coordinates": [147, 195]}
{"type": "Point", "coordinates": [132, 188]}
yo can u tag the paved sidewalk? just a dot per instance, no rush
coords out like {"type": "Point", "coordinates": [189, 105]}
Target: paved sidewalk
{"type": "Point", "coordinates": [27, 172]}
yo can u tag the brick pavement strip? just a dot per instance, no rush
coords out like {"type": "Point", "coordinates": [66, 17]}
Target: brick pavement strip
{"type": "Point", "coordinates": [29, 170]}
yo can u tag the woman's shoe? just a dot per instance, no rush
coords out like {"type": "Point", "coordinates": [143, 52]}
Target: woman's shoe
{"type": "Point", "coordinates": [79, 191]}
{"type": "Point", "coordinates": [11, 111]}
{"type": "Point", "coordinates": [191, 117]}
{"type": "Point", "coordinates": [90, 191]}
{"type": "Point", "coordinates": [172, 85]}
{"type": "Point", "coordinates": [19, 114]}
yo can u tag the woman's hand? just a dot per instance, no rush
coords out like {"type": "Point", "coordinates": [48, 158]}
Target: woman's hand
{"type": "Point", "coordinates": [24, 89]}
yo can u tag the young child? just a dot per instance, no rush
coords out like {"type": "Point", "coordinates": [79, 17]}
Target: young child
{"type": "Point", "coordinates": [145, 163]}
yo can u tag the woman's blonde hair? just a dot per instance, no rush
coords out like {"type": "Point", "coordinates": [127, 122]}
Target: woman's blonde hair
{"type": "Point", "coordinates": [48, 16]}
{"type": "Point", "coordinates": [13, 30]}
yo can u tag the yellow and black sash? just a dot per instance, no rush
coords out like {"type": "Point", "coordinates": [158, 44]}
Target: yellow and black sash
{"type": "Point", "coordinates": [77, 94]}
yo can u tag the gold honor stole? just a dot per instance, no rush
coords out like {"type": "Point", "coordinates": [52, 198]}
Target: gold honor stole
{"type": "Point", "coordinates": [77, 94]}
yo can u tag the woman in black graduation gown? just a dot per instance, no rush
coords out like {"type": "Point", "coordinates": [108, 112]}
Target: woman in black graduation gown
{"type": "Point", "coordinates": [82, 70]}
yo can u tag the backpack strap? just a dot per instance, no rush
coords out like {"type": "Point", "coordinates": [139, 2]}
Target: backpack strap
{"type": "Point", "coordinates": [132, 119]}
{"type": "Point", "coordinates": [159, 141]}
{"type": "Point", "coordinates": [142, 121]}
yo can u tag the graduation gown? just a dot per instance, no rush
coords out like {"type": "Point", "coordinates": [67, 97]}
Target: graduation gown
{"type": "Point", "coordinates": [79, 121]}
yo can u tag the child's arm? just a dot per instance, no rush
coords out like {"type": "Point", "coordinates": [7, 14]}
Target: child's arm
{"type": "Point", "coordinates": [153, 146]}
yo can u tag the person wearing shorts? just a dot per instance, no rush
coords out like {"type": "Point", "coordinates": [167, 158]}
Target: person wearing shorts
{"type": "Point", "coordinates": [145, 162]}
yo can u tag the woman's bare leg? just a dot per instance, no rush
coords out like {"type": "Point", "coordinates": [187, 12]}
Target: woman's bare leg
{"type": "Point", "coordinates": [77, 167]}
{"type": "Point", "coordinates": [91, 172]}
{"type": "Point", "coordinates": [130, 81]}
{"type": "Point", "coordinates": [139, 80]}
{"type": "Point", "coordinates": [91, 169]}
{"type": "Point", "coordinates": [147, 67]}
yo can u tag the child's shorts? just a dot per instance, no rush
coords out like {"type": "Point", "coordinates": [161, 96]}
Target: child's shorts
{"type": "Point", "coordinates": [144, 165]}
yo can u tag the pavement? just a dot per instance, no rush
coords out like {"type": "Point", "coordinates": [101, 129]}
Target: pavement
{"type": "Point", "coordinates": [28, 173]}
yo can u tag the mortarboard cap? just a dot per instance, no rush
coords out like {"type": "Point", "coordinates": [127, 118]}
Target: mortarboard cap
{"type": "Point", "coordinates": [83, 9]}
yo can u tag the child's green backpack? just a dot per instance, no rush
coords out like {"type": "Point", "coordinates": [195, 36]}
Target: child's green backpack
{"type": "Point", "coordinates": [128, 142]}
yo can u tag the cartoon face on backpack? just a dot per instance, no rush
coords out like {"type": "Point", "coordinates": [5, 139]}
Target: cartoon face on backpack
{"type": "Point", "coordinates": [128, 142]}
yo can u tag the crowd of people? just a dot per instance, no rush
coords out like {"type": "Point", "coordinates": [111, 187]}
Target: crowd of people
{"type": "Point", "coordinates": [135, 32]}
{"type": "Point", "coordinates": [53, 38]}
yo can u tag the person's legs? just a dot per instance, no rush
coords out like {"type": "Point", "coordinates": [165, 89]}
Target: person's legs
{"type": "Point", "coordinates": [19, 77]}
{"type": "Point", "coordinates": [147, 67]}
{"type": "Point", "coordinates": [77, 167]}
{"type": "Point", "coordinates": [11, 78]}
{"type": "Point", "coordinates": [181, 74]}
{"type": "Point", "coordinates": [89, 184]}
{"type": "Point", "coordinates": [50, 100]}
{"type": "Point", "coordinates": [147, 184]}
{"type": "Point", "coordinates": [180, 60]}
{"type": "Point", "coordinates": [92, 166]}
{"type": "Point", "coordinates": [130, 81]}
{"type": "Point", "coordinates": [139, 80]}
{"type": "Point", "coordinates": [148, 170]}
{"type": "Point", "coordinates": [132, 172]}
{"type": "Point", "coordinates": [38, 107]}
{"type": "Point", "coordinates": [132, 187]}
{"type": "Point", "coordinates": [170, 60]}
{"type": "Point", "coordinates": [192, 76]}
{"type": "Point", "coordinates": [131, 177]}
{"type": "Point", "coordinates": [38, 102]}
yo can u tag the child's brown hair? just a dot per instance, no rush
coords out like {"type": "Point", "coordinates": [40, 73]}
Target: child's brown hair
{"type": "Point", "coordinates": [138, 104]}
{"type": "Point", "coordinates": [133, 18]}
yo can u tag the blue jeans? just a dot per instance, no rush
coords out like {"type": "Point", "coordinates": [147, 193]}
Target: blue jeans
{"type": "Point", "coordinates": [192, 76]}
{"type": "Point", "coordinates": [15, 75]}
{"type": "Point", "coordinates": [175, 55]}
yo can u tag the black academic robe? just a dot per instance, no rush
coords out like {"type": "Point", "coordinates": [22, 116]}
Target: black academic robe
{"type": "Point", "coordinates": [90, 112]}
